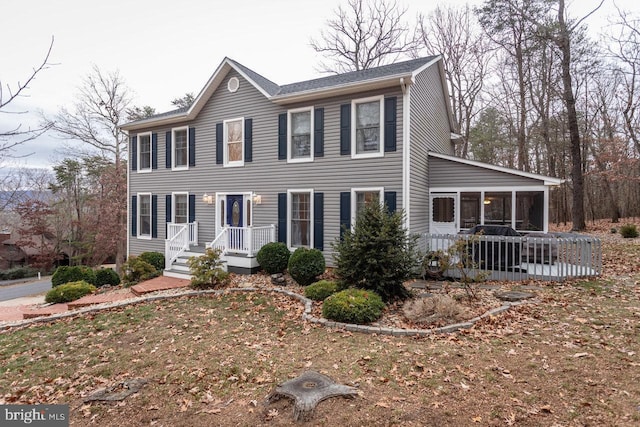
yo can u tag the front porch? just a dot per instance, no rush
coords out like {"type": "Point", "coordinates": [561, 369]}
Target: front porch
{"type": "Point", "coordinates": [238, 247]}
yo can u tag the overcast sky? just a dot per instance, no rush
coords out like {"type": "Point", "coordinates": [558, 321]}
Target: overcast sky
{"type": "Point", "coordinates": [164, 49]}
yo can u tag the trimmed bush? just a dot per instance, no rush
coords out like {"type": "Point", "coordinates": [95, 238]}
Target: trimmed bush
{"type": "Point", "coordinates": [106, 276]}
{"type": "Point", "coordinates": [156, 259]}
{"type": "Point", "coordinates": [207, 270]}
{"type": "Point", "coordinates": [65, 274]}
{"type": "Point", "coordinates": [136, 270]}
{"type": "Point", "coordinates": [305, 265]}
{"type": "Point", "coordinates": [629, 231]}
{"type": "Point", "coordinates": [379, 254]}
{"type": "Point", "coordinates": [69, 292]}
{"type": "Point", "coordinates": [353, 306]}
{"type": "Point", "coordinates": [320, 290]}
{"type": "Point", "coordinates": [274, 257]}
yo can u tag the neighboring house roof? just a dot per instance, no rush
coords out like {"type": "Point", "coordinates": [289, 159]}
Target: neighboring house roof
{"type": "Point", "coordinates": [400, 73]}
{"type": "Point", "coordinates": [546, 179]}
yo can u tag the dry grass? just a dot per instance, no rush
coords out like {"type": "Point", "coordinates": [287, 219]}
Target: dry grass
{"type": "Point", "coordinates": [435, 309]}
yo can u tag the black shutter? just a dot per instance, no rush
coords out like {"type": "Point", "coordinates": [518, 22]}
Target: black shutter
{"type": "Point", "coordinates": [318, 137]}
{"type": "Point", "coordinates": [390, 124]}
{"type": "Point", "coordinates": [390, 201]}
{"type": "Point", "coordinates": [134, 153]}
{"type": "Point", "coordinates": [167, 146]}
{"type": "Point", "coordinates": [154, 151]}
{"type": "Point", "coordinates": [154, 216]}
{"type": "Point", "coordinates": [282, 217]}
{"type": "Point", "coordinates": [248, 140]}
{"type": "Point", "coordinates": [345, 211]}
{"type": "Point", "coordinates": [134, 215]}
{"type": "Point", "coordinates": [219, 147]}
{"type": "Point", "coordinates": [345, 129]}
{"type": "Point", "coordinates": [192, 207]}
{"type": "Point", "coordinates": [167, 208]}
{"type": "Point", "coordinates": [192, 147]}
{"type": "Point", "coordinates": [318, 221]}
{"type": "Point", "coordinates": [282, 136]}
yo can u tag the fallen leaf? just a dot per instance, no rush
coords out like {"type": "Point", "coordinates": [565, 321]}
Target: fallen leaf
{"type": "Point", "coordinates": [477, 419]}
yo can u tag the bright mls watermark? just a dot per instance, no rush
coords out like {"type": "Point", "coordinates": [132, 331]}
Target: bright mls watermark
{"type": "Point", "coordinates": [34, 415]}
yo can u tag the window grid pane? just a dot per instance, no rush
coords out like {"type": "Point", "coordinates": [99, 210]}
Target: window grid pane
{"type": "Point", "coordinates": [180, 138]}
{"type": "Point", "coordinates": [145, 215]}
{"type": "Point", "coordinates": [234, 141]}
{"type": "Point", "coordinates": [301, 134]}
{"type": "Point", "coordinates": [368, 127]}
{"type": "Point", "coordinates": [181, 209]}
{"type": "Point", "coordinates": [300, 219]}
{"type": "Point", "coordinates": [145, 152]}
{"type": "Point", "coordinates": [364, 198]}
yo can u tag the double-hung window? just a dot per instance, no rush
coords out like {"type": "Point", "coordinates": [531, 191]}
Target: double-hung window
{"type": "Point", "coordinates": [367, 137]}
{"type": "Point", "coordinates": [300, 146]}
{"type": "Point", "coordinates": [180, 208]}
{"type": "Point", "coordinates": [144, 152]}
{"type": "Point", "coordinates": [362, 197]}
{"type": "Point", "coordinates": [144, 215]}
{"type": "Point", "coordinates": [234, 142]}
{"type": "Point", "coordinates": [180, 147]}
{"type": "Point", "coordinates": [301, 218]}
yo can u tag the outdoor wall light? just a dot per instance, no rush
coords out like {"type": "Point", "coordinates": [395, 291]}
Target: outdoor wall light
{"type": "Point", "coordinates": [207, 198]}
{"type": "Point", "coordinates": [257, 199]}
{"type": "Point", "coordinates": [487, 201]}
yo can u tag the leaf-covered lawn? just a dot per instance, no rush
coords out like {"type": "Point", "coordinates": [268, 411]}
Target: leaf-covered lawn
{"type": "Point", "coordinates": [572, 359]}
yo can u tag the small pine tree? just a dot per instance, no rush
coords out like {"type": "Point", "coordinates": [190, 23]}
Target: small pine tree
{"type": "Point", "coordinates": [379, 254]}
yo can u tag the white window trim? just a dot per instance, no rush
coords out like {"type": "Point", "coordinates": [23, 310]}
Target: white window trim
{"type": "Point", "coordinates": [225, 147]}
{"type": "Point", "coordinates": [173, 149]}
{"type": "Point", "coordinates": [380, 152]}
{"type": "Point", "coordinates": [354, 201]}
{"type": "Point", "coordinates": [290, 159]}
{"type": "Point", "coordinates": [311, 217]}
{"type": "Point", "coordinates": [173, 205]}
{"type": "Point", "coordinates": [139, 227]}
{"type": "Point", "coordinates": [139, 157]}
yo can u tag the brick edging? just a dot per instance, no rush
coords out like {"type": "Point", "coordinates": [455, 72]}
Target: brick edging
{"type": "Point", "coordinates": [306, 315]}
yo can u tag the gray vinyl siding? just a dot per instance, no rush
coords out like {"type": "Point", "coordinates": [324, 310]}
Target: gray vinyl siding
{"type": "Point", "coordinates": [265, 175]}
{"type": "Point", "coordinates": [445, 173]}
{"type": "Point", "coordinates": [429, 131]}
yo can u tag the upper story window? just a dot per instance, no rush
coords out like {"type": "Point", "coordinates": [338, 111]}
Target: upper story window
{"type": "Point", "coordinates": [234, 142]}
{"type": "Point", "coordinates": [300, 146]}
{"type": "Point", "coordinates": [144, 215]}
{"type": "Point", "coordinates": [180, 147]}
{"type": "Point", "coordinates": [367, 139]}
{"type": "Point", "coordinates": [144, 152]}
{"type": "Point", "coordinates": [180, 208]}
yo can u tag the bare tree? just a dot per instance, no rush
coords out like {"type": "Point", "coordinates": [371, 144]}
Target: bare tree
{"type": "Point", "coordinates": [453, 33]}
{"type": "Point", "coordinates": [17, 134]}
{"type": "Point", "coordinates": [363, 35]}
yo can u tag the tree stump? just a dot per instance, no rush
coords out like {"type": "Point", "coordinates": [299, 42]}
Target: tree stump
{"type": "Point", "coordinates": [308, 390]}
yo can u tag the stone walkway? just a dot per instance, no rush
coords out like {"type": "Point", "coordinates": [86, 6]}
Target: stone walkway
{"type": "Point", "coordinates": [10, 313]}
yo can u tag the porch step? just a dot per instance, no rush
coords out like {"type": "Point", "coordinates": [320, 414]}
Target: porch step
{"type": "Point", "coordinates": [176, 274]}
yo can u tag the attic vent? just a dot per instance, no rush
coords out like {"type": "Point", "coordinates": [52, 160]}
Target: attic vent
{"type": "Point", "coordinates": [233, 84]}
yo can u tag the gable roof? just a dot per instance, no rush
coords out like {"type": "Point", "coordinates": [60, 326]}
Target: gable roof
{"type": "Point", "coordinates": [548, 180]}
{"type": "Point", "coordinates": [354, 81]}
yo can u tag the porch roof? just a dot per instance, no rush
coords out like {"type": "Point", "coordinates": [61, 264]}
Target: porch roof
{"type": "Point", "coordinates": [545, 180]}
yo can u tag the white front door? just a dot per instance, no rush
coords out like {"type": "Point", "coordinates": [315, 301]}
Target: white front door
{"type": "Point", "coordinates": [443, 214]}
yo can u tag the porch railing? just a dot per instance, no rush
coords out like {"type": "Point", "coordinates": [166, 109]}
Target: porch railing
{"type": "Point", "coordinates": [175, 228]}
{"type": "Point", "coordinates": [176, 245]}
{"type": "Point", "coordinates": [554, 257]}
{"type": "Point", "coordinates": [243, 240]}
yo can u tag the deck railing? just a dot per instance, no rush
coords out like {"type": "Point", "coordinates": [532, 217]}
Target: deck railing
{"type": "Point", "coordinates": [243, 240]}
{"type": "Point", "coordinates": [554, 257]}
{"type": "Point", "coordinates": [176, 245]}
{"type": "Point", "coordinates": [174, 228]}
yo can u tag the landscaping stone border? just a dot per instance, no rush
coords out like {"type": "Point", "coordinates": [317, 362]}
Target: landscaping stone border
{"type": "Point", "coordinates": [306, 315]}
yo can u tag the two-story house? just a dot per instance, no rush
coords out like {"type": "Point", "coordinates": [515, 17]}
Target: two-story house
{"type": "Point", "coordinates": [251, 161]}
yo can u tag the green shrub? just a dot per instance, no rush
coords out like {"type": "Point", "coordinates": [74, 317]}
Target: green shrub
{"type": "Point", "coordinates": [156, 259]}
{"type": "Point", "coordinates": [107, 276]}
{"type": "Point", "coordinates": [379, 254]}
{"type": "Point", "coordinates": [65, 274]}
{"type": "Point", "coordinates": [274, 257]}
{"type": "Point", "coordinates": [305, 265]}
{"type": "Point", "coordinates": [320, 290]}
{"type": "Point", "coordinates": [136, 270]}
{"type": "Point", "coordinates": [69, 292]}
{"type": "Point", "coordinates": [629, 231]}
{"type": "Point", "coordinates": [17, 273]}
{"type": "Point", "coordinates": [207, 271]}
{"type": "Point", "coordinates": [353, 306]}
